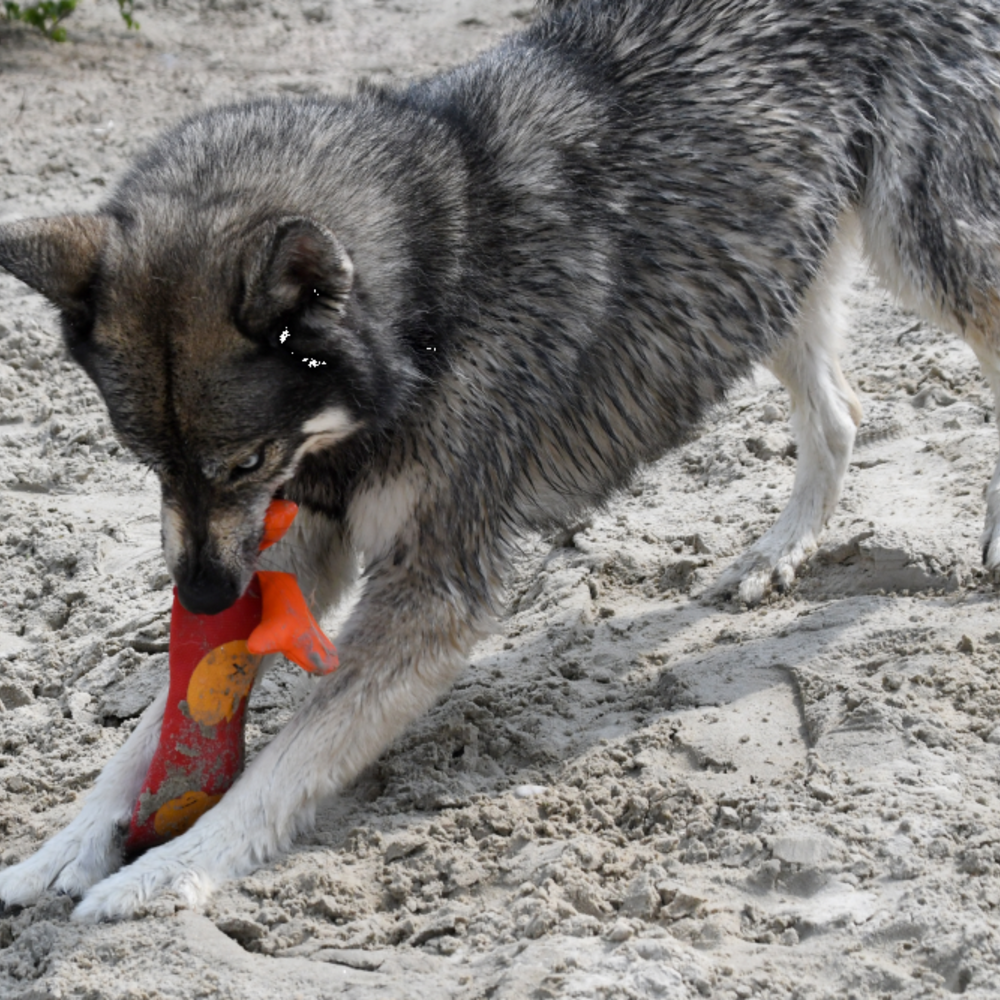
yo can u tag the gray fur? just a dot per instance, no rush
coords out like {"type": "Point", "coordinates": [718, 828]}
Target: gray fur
{"type": "Point", "coordinates": [507, 286]}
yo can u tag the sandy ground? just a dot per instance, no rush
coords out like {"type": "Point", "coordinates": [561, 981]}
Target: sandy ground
{"type": "Point", "coordinates": [632, 792]}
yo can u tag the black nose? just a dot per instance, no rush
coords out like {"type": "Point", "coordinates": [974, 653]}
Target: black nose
{"type": "Point", "coordinates": [208, 591]}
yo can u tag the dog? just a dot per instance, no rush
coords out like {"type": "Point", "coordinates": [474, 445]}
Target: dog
{"type": "Point", "coordinates": [442, 315]}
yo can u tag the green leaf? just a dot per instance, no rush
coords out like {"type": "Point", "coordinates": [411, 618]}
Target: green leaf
{"type": "Point", "coordinates": [47, 15]}
{"type": "Point", "coordinates": [125, 8]}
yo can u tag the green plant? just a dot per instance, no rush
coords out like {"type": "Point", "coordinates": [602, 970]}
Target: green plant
{"type": "Point", "coordinates": [125, 8]}
{"type": "Point", "coordinates": [47, 15]}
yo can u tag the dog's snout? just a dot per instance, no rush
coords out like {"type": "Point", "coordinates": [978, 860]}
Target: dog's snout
{"type": "Point", "coordinates": [207, 590]}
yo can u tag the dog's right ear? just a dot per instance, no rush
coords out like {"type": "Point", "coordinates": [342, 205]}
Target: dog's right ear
{"type": "Point", "coordinates": [293, 263]}
{"type": "Point", "coordinates": [57, 256]}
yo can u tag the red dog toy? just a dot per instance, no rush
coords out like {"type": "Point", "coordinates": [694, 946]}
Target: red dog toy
{"type": "Point", "coordinates": [213, 663]}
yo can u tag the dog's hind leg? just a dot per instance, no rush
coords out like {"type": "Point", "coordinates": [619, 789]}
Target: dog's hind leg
{"type": "Point", "coordinates": [932, 236]}
{"type": "Point", "coordinates": [89, 848]}
{"type": "Point", "coordinates": [988, 353]}
{"type": "Point", "coordinates": [825, 414]}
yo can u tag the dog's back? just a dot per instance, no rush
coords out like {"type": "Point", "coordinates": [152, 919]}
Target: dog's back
{"type": "Point", "coordinates": [652, 190]}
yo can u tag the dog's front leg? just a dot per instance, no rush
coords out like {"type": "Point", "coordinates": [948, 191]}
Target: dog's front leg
{"type": "Point", "coordinates": [89, 848]}
{"type": "Point", "coordinates": [400, 651]}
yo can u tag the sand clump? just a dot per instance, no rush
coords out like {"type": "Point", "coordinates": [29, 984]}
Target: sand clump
{"type": "Point", "coordinates": [633, 791]}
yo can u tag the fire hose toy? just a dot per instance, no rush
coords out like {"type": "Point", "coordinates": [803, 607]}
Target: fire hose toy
{"type": "Point", "coordinates": [214, 660]}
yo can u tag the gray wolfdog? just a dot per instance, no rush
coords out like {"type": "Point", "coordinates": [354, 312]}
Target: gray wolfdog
{"type": "Point", "coordinates": [441, 315]}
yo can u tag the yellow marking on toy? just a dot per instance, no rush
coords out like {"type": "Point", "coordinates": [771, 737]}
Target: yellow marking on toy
{"type": "Point", "coordinates": [178, 815]}
{"type": "Point", "coordinates": [219, 683]}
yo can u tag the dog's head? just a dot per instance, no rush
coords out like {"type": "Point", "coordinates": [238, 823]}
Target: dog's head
{"type": "Point", "coordinates": [226, 352]}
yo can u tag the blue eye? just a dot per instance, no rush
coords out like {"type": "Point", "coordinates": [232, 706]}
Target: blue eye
{"type": "Point", "coordinates": [249, 464]}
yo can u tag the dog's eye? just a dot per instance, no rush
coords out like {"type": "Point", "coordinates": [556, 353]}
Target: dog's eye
{"type": "Point", "coordinates": [249, 464]}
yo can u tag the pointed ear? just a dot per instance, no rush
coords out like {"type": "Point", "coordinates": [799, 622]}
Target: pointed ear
{"type": "Point", "coordinates": [57, 257]}
{"type": "Point", "coordinates": [295, 261]}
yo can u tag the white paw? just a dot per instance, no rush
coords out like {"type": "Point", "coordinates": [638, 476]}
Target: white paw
{"type": "Point", "coordinates": [151, 882]}
{"type": "Point", "coordinates": [760, 570]}
{"type": "Point", "coordinates": [73, 860]}
{"type": "Point", "coordinates": [21, 885]}
{"type": "Point", "coordinates": [990, 542]}
{"type": "Point", "coordinates": [92, 864]}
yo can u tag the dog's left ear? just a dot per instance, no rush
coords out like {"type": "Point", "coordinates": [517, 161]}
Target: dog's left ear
{"type": "Point", "coordinates": [292, 263]}
{"type": "Point", "coordinates": [57, 257]}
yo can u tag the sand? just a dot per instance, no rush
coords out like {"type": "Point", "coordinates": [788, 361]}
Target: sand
{"type": "Point", "coordinates": [634, 791]}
